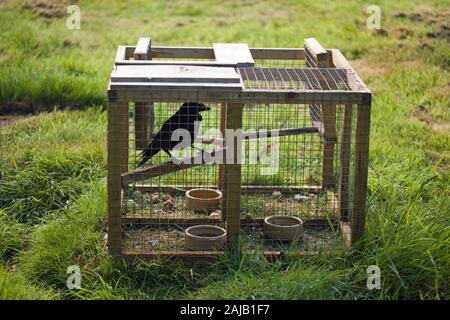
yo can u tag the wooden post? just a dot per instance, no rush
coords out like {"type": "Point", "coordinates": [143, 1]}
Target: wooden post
{"type": "Point", "coordinates": [117, 145]}
{"type": "Point", "coordinates": [346, 140]}
{"type": "Point", "coordinates": [231, 204]}
{"type": "Point", "coordinates": [361, 171]}
{"type": "Point", "coordinates": [144, 113]}
{"type": "Point", "coordinates": [223, 115]}
{"type": "Point", "coordinates": [329, 140]}
{"type": "Point", "coordinates": [324, 116]}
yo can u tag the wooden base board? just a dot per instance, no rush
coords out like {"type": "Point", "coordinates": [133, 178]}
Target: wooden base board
{"type": "Point", "coordinates": [198, 258]}
{"type": "Point", "coordinates": [244, 189]}
{"type": "Point", "coordinates": [245, 221]}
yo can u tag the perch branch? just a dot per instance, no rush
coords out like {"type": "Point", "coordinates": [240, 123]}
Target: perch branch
{"type": "Point", "coordinates": [168, 167]}
{"type": "Point", "coordinates": [265, 133]}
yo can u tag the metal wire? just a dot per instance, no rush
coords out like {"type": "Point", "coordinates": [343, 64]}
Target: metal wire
{"type": "Point", "coordinates": [298, 79]}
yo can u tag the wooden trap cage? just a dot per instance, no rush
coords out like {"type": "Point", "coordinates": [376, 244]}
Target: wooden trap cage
{"type": "Point", "coordinates": [304, 115]}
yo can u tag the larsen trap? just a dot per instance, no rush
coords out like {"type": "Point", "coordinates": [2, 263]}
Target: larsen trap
{"type": "Point", "coordinates": [211, 148]}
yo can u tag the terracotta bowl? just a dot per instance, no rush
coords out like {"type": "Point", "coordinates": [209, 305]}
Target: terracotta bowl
{"type": "Point", "coordinates": [203, 198]}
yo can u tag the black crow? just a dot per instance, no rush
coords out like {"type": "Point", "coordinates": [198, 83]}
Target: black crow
{"type": "Point", "coordinates": [184, 118]}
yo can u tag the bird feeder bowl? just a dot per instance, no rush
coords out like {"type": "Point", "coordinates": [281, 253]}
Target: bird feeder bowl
{"type": "Point", "coordinates": [205, 238]}
{"type": "Point", "coordinates": [203, 199]}
{"type": "Point", "coordinates": [284, 228]}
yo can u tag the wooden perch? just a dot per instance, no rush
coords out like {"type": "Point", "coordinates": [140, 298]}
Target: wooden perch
{"type": "Point", "coordinates": [262, 134]}
{"type": "Point", "coordinates": [169, 167]}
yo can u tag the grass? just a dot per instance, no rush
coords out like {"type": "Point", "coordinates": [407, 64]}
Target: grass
{"type": "Point", "coordinates": [52, 168]}
{"type": "Point", "coordinates": [15, 287]}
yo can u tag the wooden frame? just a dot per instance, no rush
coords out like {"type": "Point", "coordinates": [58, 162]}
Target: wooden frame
{"type": "Point", "coordinates": [232, 176]}
{"type": "Point", "coordinates": [351, 203]}
{"type": "Point", "coordinates": [324, 116]}
{"type": "Point", "coordinates": [144, 113]}
{"type": "Point", "coordinates": [117, 142]}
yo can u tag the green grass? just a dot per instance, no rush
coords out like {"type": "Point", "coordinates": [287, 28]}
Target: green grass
{"type": "Point", "coordinates": [12, 236]}
{"type": "Point", "coordinates": [46, 164]}
{"type": "Point", "coordinates": [15, 287]}
{"type": "Point", "coordinates": [52, 168]}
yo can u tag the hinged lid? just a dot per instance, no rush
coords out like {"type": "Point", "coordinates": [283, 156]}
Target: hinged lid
{"type": "Point", "coordinates": [173, 74]}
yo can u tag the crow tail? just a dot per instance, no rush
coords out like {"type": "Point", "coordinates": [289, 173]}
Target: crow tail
{"type": "Point", "coordinates": [147, 154]}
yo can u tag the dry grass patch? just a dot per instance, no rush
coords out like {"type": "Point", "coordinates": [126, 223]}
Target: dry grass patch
{"type": "Point", "coordinates": [46, 8]}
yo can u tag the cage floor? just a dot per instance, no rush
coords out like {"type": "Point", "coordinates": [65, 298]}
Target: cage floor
{"type": "Point", "coordinates": [165, 218]}
{"type": "Point", "coordinates": [167, 205]}
{"type": "Point", "coordinates": [145, 240]}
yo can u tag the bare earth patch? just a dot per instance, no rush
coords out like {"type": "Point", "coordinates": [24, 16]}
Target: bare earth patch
{"type": "Point", "coordinates": [424, 14]}
{"type": "Point", "coordinates": [46, 8]}
{"type": "Point", "coordinates": [366, 69]}
{"type": "Point", "coordinates": [402, 33]}
{"type": "Point", "coordinates": [8, 120]}
{"type": "Point", "coordinates": [442, 91]}
{"type": "Point", "coordinates": [439, 126]}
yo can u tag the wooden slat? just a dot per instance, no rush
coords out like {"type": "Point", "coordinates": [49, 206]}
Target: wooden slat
{"type": "Point", "coordinates": [185, 221]}
{"type": "Point", "coordinates": [175, 87]}
{"type": "Point", "coordinates": [361, 171]}
{"type": "Point", "coordinates": [221, 170]}
{"type": "Point", "coordinates": [316, 52]}
{"type": "Point", "coordinates": [249, 135]}
{"type": "Point", "coordinates": [197, 258]}
{"type": "Point", "coordinates": [174, 74]}
{"type": "Point", "coordinates": [169, 167]}
{"type": "Point", "coordinates": [329, 141]}
{"type": "Point", "coordinates": [244, 189]}
{"type": "Point", "coordinates": [237, 53]}
{"type": "Point", "coordinates": [232, 93]}
{"type": "Point", "coordinates": [121, 53]}
{"type": "Point", "coordinates": [209, 63]}
{"type": "Point", "coordinates": [346, 140]}
{"type": "Point", "coordinates": [232, 176]}
{"type": "Point", "coordinates": [143, 49]}
{"type": "Point", "coordinates": [278, 53]}
{"type": "Point", "coordinates": [353, 80]}
{"type": "Point", "coordinates": [168, 221]}
{"type": "Point", "coordinates": [124, 142]}
{"type": "Point", "coordinates": [144, 124]}
{"type": "Point", "coordinates": [317, 56]}
{"type": "Point", "coordinates": [169, 52]}
{"type": "Point", "coordinates": [144, 112]}
{"type": "Point", "coordinates": [117, 115]}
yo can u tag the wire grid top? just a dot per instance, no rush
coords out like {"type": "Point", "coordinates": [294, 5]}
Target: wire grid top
{"type": "Point", "coordinates": [298, 79]}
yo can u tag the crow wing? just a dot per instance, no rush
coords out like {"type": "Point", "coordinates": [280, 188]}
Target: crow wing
{"type": "Point", "coordinates": [163, 139]}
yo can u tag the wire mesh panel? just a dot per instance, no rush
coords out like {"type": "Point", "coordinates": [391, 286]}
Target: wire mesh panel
{"type": "Point", "coordinates": [294, 79]}
{"type": "Point", "coordinates": [196, 165]}
{"type": "Point", "coordinates": [281, 174]}
{"type": "Point", "coordinates": [156, 208]}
